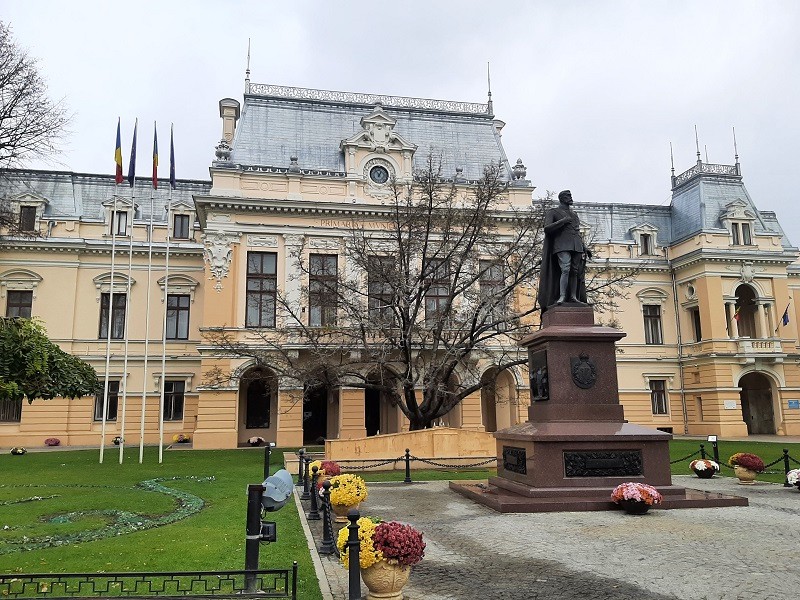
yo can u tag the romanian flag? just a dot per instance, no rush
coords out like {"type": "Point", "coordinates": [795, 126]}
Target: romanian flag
{"type": "Point", "coordinates": [155, 157]}
{"type": "Point", "coordinates": [132, 164]}
{"type": "Point", "coordinates": [171, 159]}
{"type": "Point", "coordinates": [737, 314]}
{"type": "Point", "coordinates": [118, 157]}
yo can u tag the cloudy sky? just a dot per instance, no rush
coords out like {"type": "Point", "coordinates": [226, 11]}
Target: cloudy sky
{"type": "Point", "coordinates": [592, 92]}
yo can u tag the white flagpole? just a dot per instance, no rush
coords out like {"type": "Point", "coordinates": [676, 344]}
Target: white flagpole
{"type": "Point", "coordinates": [109, 316]}
{"type": "Point", "coordinates": [164, 334]}
{"type": "Point", "coordinates": [146, 327]}
{"type": "Point", "coordinates": [127, 328]}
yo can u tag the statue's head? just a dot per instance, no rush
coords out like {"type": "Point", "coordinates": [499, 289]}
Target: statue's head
{"type": "Point", "coordinates": [565, 197]}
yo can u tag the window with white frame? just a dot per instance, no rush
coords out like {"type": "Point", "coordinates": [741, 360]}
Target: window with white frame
{"type": "Point", "coordinates": [652, 324]}
{"type": "Point", "coordinates": [174, 391]}
{"type": "Point", "coordinates": [658, 396]}
{"type": "Point", "coordinates": [113, 402]}
{"type": "Point", "coordinates": [738, 218]}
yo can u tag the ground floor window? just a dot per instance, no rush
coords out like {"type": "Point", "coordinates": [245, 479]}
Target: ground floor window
{"type": "Point", "coordinates": [10, 411]}
{"type": "Point", "coordinates": [173, 400]}
{"type": "Point", "coordinates": [113, 401]}
{"type": "Point", "coordinates": [658, 396]}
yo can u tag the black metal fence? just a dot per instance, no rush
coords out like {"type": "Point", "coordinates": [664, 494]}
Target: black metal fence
{"type": "Point", "coordinates": [703, 453]}
{"type": "Point", "coordinates": [267, 583]}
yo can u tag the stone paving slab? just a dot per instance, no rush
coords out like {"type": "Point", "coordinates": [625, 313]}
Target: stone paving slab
{"type": "Point", "coordinates": [733, 553]}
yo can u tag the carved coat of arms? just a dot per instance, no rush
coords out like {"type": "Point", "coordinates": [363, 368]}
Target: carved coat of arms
{"type": "Point", "coordinates": [584, 372]}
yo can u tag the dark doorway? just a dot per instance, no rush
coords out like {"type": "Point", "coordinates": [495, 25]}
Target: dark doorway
{"type": "Point", "coordinates": [258, 404]}
{"type": "Point", "coordinates": [315, 414]}
{"type": "Point", "coordinates": [372, 411]}
{"type": "Point", "coordinates": [746, 311]}
{"type": "Point", "coordinates": [757, 407]}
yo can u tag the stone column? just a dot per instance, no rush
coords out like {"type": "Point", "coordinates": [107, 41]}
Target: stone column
{"type": "Point", "coordinates": [730, 310]}
{"type": "Point", "coordinates": [762, 322]}
{"type": "Point", "coordinates": [351, 413]}
{"type": "Point", "coordinates": [290, 415]}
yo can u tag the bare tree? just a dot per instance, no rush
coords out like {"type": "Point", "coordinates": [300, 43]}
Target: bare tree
{"type": "Point", "coordinates": [432, 295]}
{"type": "Point", "coordinates": [31, 125]}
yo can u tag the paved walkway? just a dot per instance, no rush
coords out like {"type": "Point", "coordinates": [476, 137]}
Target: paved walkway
{"type": "Point", "coordinates": [739, 553]}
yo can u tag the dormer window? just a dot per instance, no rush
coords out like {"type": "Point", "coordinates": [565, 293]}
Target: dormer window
{"type": "Point", "coordinates": [119, 222]}
{"type": "Point", "coordinates": [644, 236]}
{"type": "Point", "coordinates": [741, 234]}
{"type": "Point", "coordinates": [181, 217]}
{"type": "Point", "coordinates": [27, 218]}
{"type": "Point", "coordinates": [180, 227]}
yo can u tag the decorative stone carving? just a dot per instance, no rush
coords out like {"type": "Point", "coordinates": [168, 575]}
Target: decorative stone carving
{"type": "Point", "coordinates": [217, 252]}
{"type": "Point", "coordinates": [223, 151]}
{"type": "Point", "coordinates": [324, 243]}
{"type": "Point", "coordinates": [262, 241]}
{"type": "Point", "coordinates": [518, 170]}
{"type": "Point", "coordinates": [584, 371]}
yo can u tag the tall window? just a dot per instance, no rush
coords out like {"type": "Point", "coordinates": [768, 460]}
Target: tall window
{"type": "Point", "coordinates": [322, 289]}
{"type": "Point", "coordinates": [380, 272]}
{"type": "Point", "coordinates": [19, 303]}
{"type": "Point", "coordinates": [436, 298]}
{"type": "Point", "coordinates": [491, 282]}
{"type": "Point", "coordinates": [746, 237]}
{"type": "Point", "coordinates": [180, 227]}
{"type": "Point", "coordinates": [113, 401]}
{"type": "Point", "coordinates": [27, 218]}
{"type": "Point", "coordinates": [652, 324]}
{"type": "Point", "coordinates": [119, 222]}
{"type": "Point", "coordinates": [741, 234]}
{"type": "Point", "coordinates": [696, 328]}
{"type": "Point", "coordinates": [173, 400]}
{"type": "Point", "coordinates": [10, 411]}
{"type": "Point", "coordinates": [117, 316]}
{"type": "Point", "coordinates": [658, 396]}
{"type": "Point", "coordinates": [177, 317]}
{"type": "Point", "coordinates": [262, 285]}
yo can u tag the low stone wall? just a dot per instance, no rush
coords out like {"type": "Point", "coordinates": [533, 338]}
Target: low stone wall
{"type": "Point", "coordinates": [447, 445]}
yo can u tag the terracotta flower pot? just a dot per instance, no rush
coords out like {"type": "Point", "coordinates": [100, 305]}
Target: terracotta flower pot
{"type": "Point", "coordinates": [341, 510]}
{"type": "Point", "coordinates": [634, 507]}
{"type": "Point", "coordinates": [746, 476]}
{"type": "Point", "coordinates": [385, 580]}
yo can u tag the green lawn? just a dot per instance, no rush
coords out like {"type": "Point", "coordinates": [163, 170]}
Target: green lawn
{"type": "Point", "coordinates": [192, 517]}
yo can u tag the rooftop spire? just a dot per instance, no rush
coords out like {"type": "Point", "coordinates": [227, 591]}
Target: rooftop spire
{"type": "Point", "coordinates": [247, 70]}
{"type": "Point", "coordinates": [735, 149]}
{"type": "Point", "coordinates": [697, 144]}
{"type": "Point", "coordinates": [671, 160]}
{"type": "Point", "coordinates": [489, 107]}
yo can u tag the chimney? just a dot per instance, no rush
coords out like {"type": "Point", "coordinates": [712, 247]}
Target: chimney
{"type": "Point", "coordinates": [229, 112]}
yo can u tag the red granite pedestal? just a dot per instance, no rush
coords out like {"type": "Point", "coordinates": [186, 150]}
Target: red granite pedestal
{"type": "Point", "coordinates": [576, 445]}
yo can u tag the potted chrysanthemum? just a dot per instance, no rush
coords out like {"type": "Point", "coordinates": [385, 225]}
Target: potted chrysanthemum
{"type": "Point", "coordinates": [387, 551]}
{"type": "Point", "coordinates": [181, 438]}
{"type": "Point", "coordinates": [746, 466]}
{"type": "Point", "coordinates": [347, 492]}
{"type": "Point", "coordinates": [704, 468]}
{"type": "Point", "coordinates": [18, 451]}
{"type": "Point", "coordinates": [635, 498]}
{"type": "Point", "coordinates": [52, 441]}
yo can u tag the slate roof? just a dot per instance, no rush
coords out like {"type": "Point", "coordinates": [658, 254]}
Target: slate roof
{"type": "Point", "coordinates": [80, 195]}
{"type": "Point", "coordinates": [273, 129]}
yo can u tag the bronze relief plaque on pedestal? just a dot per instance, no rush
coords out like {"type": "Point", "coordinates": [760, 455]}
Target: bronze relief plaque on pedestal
{"type": "Point", "coordinates": [515, 460]}
{"type": "Point", "coordinates": [540, 385]}
{"type": "Point", "coordinates": [603, 463]}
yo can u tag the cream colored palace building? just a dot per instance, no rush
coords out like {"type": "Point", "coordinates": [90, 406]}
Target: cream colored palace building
{"type": "Point", "coordinates": [706, 350]}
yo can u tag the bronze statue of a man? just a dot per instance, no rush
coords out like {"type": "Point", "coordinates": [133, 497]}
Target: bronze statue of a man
{"type": "Point", "coordinates": [562, 277]}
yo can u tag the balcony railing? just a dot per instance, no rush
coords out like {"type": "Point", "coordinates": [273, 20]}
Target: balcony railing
{"type": "Point", "coordinates": [702, 167]}
{"type": "Point", "coordinates": [763, 346]}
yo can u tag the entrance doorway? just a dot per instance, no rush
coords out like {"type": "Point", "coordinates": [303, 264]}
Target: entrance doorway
{"type": "Point", "coordinates": [758, 411]}
{"type": "Point", "coordinates": [315, 414]}
{"type": "Point", "coordinates": [258, 405]}
{"type": "Point", "coordinates": [379, 414]}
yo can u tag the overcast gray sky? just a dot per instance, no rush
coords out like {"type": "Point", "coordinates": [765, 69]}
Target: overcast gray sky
{"type": "Point", "coordinates": [592, 92]}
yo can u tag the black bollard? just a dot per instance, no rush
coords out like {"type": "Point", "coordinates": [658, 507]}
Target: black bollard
{"type": "Point", "coordinates": [715, 448]}
{"type": "Point", "coordinates": [267, 458]}
{"type": "Point", "coordinates": [328, 546]}
{"type": "Point", "coordinates": [702, 450]}
{"type": "Point", "coordinates": [786, 468]}
{"type": "Point", "coordinates": [253, 537]}
{"type": "Point", "coordinates": [408, 467]}
{"type": "Point", "coordinates": [353, 555]}
{"type": "Point", "coordinates": [301, 456]}
{"type": "Point", "coordinates": [305, 495]}
{"type": "Point", "coordinates": [313, 514]}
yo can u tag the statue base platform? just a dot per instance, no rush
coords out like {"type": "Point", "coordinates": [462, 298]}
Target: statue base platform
{"type": "Point", "coordinates": [576, 446]}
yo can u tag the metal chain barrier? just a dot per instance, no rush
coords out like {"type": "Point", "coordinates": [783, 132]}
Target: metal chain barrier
{"type": "Point", "coordinates": [459, 466]}
{"type": "Point", "coordinates": [687, 457]}
{"type": "Point", "coordinates": [374, 463]}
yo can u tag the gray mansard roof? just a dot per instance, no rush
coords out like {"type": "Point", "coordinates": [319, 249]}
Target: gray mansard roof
{"type": "Point", "coordinates": [700, 197]}
{"type": "Point", "coordinates": [277, 123]}
{"type": "Point", "coordinates": [79, 195]}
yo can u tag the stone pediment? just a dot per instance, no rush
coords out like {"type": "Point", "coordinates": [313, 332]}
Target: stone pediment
{"type": "Point", "coordinates": [644, 228]}
{"type": "Point", "coordinates": [122, 203]}
{"type": "Point", "coordinates": [738, 210]}
{"type": "Point", "coordinates": [30, 198]}
{"type": "Point", "coordinates": [378, 134]}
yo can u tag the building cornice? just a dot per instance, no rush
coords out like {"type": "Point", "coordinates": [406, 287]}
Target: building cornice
{"type": "Point", "coordinates": [84, 246]}
{"type": "Point", "coordinates": [783, 258]}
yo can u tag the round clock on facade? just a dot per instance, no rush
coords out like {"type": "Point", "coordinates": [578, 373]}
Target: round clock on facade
{"type": "Point", "coordinates": [379, 174]}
